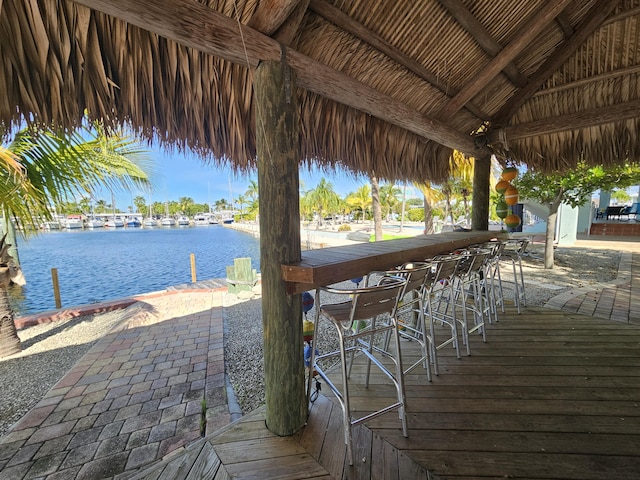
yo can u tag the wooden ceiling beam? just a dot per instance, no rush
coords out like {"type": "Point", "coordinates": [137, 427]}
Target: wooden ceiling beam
{"type": "Point", "coordinates": [271, 14]}
{"type": "Point", "coordinates": [289, 29]}
{"type": "Point", "coordinates": [528, 33]}
{"type": "Point", "coordinates": [565, 25]}
{"type": "Point", "coordinates": [594, 18]}
{"type": "Point", "coordinates": [349, 25]}
{"type": "Point", "coordinates": [197, 26]}
{"type": "Point", "coordinates": [633, 70]}
{"type": "Point", "coordinates": [482, 36]}
{"type": "Point", "coordinates": [563, 123]}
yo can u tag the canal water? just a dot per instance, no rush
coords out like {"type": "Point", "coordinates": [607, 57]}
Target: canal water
{"type": "Point", "coordinates": [105, 264]}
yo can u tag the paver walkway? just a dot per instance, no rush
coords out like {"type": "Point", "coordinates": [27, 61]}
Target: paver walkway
{"type": "Point", "coordinates": [135, 396]}
{"type": "Point", "coordinates": [618, 300]}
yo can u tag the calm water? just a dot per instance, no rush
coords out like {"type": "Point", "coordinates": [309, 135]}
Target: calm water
{"type": "Point", "coordinates": [104, 264]}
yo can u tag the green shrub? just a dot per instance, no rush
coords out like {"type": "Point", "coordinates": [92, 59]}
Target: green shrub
{"type": "Point", "coordinates": [344, 228]}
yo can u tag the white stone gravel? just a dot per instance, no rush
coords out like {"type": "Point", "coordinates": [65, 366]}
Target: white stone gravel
{"type": "Point", "coordinates": [50, 350]}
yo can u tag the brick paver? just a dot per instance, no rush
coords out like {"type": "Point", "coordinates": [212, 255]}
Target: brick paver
{"type": "Point", "coordinates": [134, 397]}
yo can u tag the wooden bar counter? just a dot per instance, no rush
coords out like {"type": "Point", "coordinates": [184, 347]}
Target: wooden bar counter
{"type": "Point", "coordinates": [326, 266]}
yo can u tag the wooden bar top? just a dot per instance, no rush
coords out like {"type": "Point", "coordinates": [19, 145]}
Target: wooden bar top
{"type": "Point", "coordinates": [326, 266]}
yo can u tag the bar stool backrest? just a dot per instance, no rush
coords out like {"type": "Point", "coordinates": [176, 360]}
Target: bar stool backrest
{"type": "Point", "coordinates": [444, 267]}
{"type": "Point", "coordinates": [417, 274]}
{"type": "Point", "coordinates": [367, 302]}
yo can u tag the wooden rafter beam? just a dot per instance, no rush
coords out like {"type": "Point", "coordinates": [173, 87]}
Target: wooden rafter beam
{"type": "Point", "coordinates": [481, 35]}
{"type": "Point", "coordinates": [346, 23]}
{"type": "Point", "coordinates": [563, 123]}
{"type": "Point", "coordinates": [565, 25]}
{"type": "Point", "coordinates": [197, 26]}
{"type": "Point", "coordinates": [528, 33]}
{"type": "Point", "coordinates": [271, 14]}
{"type": "Point", "coordinates": [633, 70]}
{"type": "Point", "coordinates": [594, 18]}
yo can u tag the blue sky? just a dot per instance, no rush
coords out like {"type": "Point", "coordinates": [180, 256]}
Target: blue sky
{"type": "Point", "coordinates": [184, 175]}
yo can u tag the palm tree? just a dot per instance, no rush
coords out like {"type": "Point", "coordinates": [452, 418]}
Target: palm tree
{"type": "Point", "coordinates": [43, 167]}
{"type": "Point", "coordinates": [431, 196]}
{"type": "Point", "coordinates": [241, 200]}
{"type": "Point", "coordinates": [389, 198]}
{"type": "Point", "coordinates": [140, 204]}
{"type": "Point", "coordinates": [185, 205]}
{"type": "Point", "coordinates": [361, 198]}
{"type": "Point", "coordinates": [323, 198]}
{"type": "Point", "coordinates": [56, 166]}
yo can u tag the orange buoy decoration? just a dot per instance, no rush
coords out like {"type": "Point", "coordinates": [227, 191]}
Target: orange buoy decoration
{"type": "Point", "coordinates": [502, 186]}
{"type": "Point", "coordinates": [502, 209]}
{"type": "Point", "coordinates": [509, 173]}
{"type": "Point", "coordinates": [511, 195]}
{"type": "Point", "coordinates": [512, 220]}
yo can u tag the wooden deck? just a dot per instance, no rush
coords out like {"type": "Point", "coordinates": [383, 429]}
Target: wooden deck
{"type": "Point", "coordinates": [551, 395]}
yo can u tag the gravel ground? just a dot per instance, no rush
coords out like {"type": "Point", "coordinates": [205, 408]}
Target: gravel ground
{"type": "Point", "coordinates": [50, 350]}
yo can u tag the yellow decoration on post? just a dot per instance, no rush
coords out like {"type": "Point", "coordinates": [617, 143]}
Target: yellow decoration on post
{"type": "Point", "coordinates": [512, 220]}
{"type": "Point", "coordinates": [511, 195]}
{"type": "Point", "coordinates": [509, 173]}
{"type": "Point", "coordinates": [502, 186]}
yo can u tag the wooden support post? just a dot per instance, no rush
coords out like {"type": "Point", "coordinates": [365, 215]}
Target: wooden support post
{"type": "Point", "coordinates": [56, 287]}
{"type": "Point", "coordinates": [194, 277]}
{"type": "Point", "coordinates": [277, 130]}
{"type": "Point", "coordinates": [481, 175]}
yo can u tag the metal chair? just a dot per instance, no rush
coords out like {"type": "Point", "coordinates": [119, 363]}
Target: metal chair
{"type": "Point", "coordinates": [375, 306]}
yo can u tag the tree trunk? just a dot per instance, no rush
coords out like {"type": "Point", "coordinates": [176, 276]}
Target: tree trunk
{"type": "Point", "coordinates": [377, 208]}
{"type": "Point", "coordinates": [550, 234]}
{"type": "Point", "coordinates": [277, 131]}
{"type": "Point", "coordinates": [428, 216]}
{"type": "Point", "coordinates": [9, 340]}
{"type": "Point", "coordinates": [480, 194]}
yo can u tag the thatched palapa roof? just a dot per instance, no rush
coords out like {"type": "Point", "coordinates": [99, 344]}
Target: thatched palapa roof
{"type": "Point", "coordinates": [385, 86]}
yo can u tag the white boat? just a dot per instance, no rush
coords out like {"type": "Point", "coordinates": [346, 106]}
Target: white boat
{"type": "Point", "coordinates": [183, 220]}
{"type": "Point", "coordinates": [73, 221]}
{"type": "Point", "coordinates": [94, 222]}
{"type": "Point", "coordinates": [168, 222]}
{"type": "Point", "coordinates": [114, 222]}
{"type": "Point", "coordinates": [149, 222]}
{"type": "Point", "coordinates": [51, 225]}
{"type": "Point", "coordinates": [202, 218]}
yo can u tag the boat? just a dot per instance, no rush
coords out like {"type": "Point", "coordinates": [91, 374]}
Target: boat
{"type": "Point", "coordinates": [183, 221]}
{"type": "Point", "coordinates": [149, 222]}
{"type": "Point", "coordinates": [227, 220]}
{"type": "Point", "coordinates": [133, 222]}
{"type": "Point", "coordinates": [114, 222]}
{"type": "Point", "coordinates": [202, 218]}
{"type": "Point", "coordinates": [168, 222]}
{"type": "Point", "coordinates": [94, 222]}
{"type": "Point", "coordinates": [51, 225]}
{"type": "Point", "coordinates": [73, 221]}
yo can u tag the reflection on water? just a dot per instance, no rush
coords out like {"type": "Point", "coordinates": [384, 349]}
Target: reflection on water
{"type": "Point", "coordinates": [98, 265]}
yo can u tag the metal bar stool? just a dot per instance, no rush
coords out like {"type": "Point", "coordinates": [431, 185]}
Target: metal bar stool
{"type": "Point", "coordinates": [512, 253]}
{"type": "Point", "coordinates": [493, 281]}
{"type": "Point", "coordinates": [439, 296]}
{"type": "Point", "coordinates": [471, 293]}
{"type": "Point", "coordinates": [411, 311]}
{"type": "Point", "coordinates": [375, 306]}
